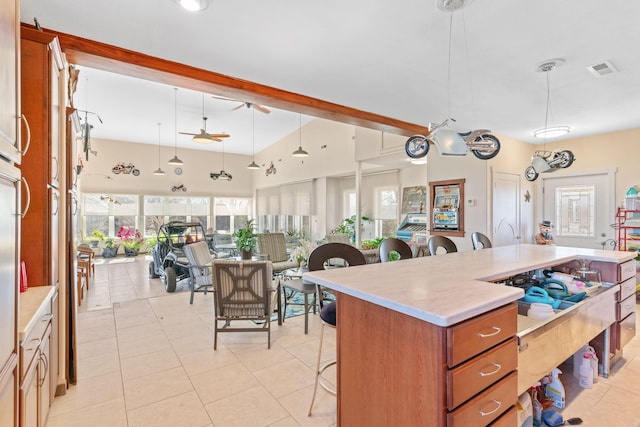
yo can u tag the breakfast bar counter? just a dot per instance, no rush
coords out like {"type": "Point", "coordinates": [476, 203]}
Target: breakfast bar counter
{"type": "Point", "coordinates": [431, 341]}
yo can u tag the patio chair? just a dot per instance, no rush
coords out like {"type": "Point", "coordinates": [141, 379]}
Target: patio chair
{"type": "Point", "coordinates": [199, 259]}
{"type": "Point", "coordinates": [245, 290]}
{"type": "Point", "coordinates": [390, 245]}
{"type": "Point", "coordinates": [273, 246]}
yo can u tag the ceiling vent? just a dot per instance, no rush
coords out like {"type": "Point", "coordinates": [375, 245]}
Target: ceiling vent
{"type": "Point", "coordinates": [602, 68]}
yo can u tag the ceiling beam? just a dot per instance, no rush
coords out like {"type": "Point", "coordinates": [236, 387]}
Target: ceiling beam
{"type": "Point", "coordinates": [93, 54]}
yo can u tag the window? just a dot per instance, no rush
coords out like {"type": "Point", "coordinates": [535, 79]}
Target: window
{"type": "Point", "coordinates": [575, 211]}
{"type": "Point", "coordinates": [386, 211]}
{"type": "Point", "coordinates": [108, 213]}
{"type": "Point", "coordinates": [158, 210]}
{"type": "Point", "coordinates": [230, 213]}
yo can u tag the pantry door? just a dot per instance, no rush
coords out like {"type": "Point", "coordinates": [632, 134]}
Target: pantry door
{"type": "Point", "coordinates": [581, 207]}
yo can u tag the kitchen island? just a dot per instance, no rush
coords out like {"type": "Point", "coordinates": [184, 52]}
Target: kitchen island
{"type": "Point", "coordinates": [432, 341]}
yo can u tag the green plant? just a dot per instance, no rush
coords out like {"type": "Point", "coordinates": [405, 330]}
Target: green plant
{"type": "Point", "coordinates": [97, 235]}
{"type": "Point", "coordinates": [245, 237]}
{"type": "Point", "coordinates": [111, 243]}
{"type": "Point", "coordinates": [151, 242]}
{"type": "Point", "coordinates": [372, 243]}
{"type": "Point", "coordinates": [348, 226]}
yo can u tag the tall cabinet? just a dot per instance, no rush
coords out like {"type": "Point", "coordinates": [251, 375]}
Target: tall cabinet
{"type": "Point", "coordinates": [10, 156]}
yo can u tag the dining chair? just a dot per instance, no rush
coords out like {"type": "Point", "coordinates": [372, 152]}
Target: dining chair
{"type": "Point", "coordinates": [245, 290]}
{"type": "Point", "coordinates": [390, 245]}
{"type": "Point", "coordinates": [480, 241]}
{"type": "Point", "coordinates": [200, 275]}
{"type": "Point", "coordinates": [437, 242]}
{"type": "Point", "coordinates": [274, 247]}
{"type": "Point", "coordinates": [319, 260]}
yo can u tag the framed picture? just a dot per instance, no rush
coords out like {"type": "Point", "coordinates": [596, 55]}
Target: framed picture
{"type": "Point", "coordinates": [446, 212]}
{"type": "Point", "coordinates": [414, 199]}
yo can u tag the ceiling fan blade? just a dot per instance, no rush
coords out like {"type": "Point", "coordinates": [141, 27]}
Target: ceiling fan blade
{"type": "Point", "coordinates": [188, 133]}
{"type": "Point", "coordinates": [223, 98]}
{"type": "Point", "coordinates": [216, 139]}
{"type": "Point", "coordinates": [261, 108]}
{"type": "Point", "coordinates": [238, 107]}
{"type": "Point", "coordinates": [219, 135]}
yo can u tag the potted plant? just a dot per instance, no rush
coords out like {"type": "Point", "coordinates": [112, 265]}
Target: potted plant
{"type": "Point", "coordinates": [348, 227]}
{"type": "Point", "coordinates": [245, 238]}
{"type": "Point", "coordinates": [131, 239]}
{"type": "Point", "coordinates": [110, 248]}
{"type": "Point", "coordinates": [96, 237]}
{"type": "Point", "coordinates": [300, 253]}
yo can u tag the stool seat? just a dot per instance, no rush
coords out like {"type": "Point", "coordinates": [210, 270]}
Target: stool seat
{"type": "Point", "coordinates": [328, 313]}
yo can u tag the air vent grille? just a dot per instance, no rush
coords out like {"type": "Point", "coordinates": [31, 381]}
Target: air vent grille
{"type": "Point", "coordinates": [602, 68]}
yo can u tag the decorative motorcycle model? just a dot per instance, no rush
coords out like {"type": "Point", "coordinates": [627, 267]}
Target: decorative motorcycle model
{"type": "Point", "coordinates": [178, 188]}
{"type": "Point", "coordinates": [548, 161]}
{"type": "Point", "coordinates": [125, 169]}
{"type": "Point", "coordinates": [482, 144]}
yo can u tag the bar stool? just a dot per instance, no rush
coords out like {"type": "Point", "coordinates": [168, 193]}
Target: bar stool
{"type": "Point", "coordinates": [317, 261]}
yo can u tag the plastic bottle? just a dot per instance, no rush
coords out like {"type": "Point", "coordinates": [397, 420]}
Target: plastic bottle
{"type": "Point", "coordinates": [555, 389]}
{"type": "Point", "coordinates": [536, 405]}
{"type": "Point", "coordinates": [577, 359]}
{"type": "Point", "coordinates": [594, 366]}
{"type": "Point", "coordinates": [586, 372]}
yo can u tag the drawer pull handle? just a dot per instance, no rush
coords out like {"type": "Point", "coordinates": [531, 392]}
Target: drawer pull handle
{"type": "Point", "coordinates": [492, 334]}
{"type": "Point", "coordinates": [495, 371]}
{"type": "Point", "coordinates": [498, 403]}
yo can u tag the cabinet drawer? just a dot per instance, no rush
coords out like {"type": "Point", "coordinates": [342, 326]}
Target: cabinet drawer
{"type": "Point", "coordinates": [508, 419]}
{"type": "Point", "coordinates": [473, 336]}
{"type": "Point", "coordinates": [468, 379]}
{"type": "Point", "coordinates": [627, 288]}
{"type": "Point", "coordinates": [488, 405]}
{"type": "Point", "coordinates": [626, 307]}
{"type": "Point", "coordinates": [627, 270]}
{"type": "Point", "coordinates": [627, 329]}
{"type": "Point", "coordinates": [32, 341]}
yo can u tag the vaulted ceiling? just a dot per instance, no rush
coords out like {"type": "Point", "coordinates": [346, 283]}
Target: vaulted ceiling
{"type": "Point", "coordinates": [392, 59]}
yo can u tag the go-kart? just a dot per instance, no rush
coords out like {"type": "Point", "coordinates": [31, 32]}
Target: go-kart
{"type": "Point", "coordinates": [169, 261]}
{"type": "Point", "coordinates": [548, 161]}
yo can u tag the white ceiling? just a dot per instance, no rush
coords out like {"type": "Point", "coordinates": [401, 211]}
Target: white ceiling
{"type": "Point", "coordinates": [385, 57]}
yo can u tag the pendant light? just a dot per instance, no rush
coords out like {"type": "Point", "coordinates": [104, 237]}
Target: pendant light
{"type": "Point", "coordinates": [550, 131]}
{"type": "Point", "coordinates": [222, 175]}
{"type": "Point", "coordinates": [253, 165]}
{"type": "Point", "coordinates": [175, 161]}
{"type": "Point", "coordinates": [158, 171]}
{"type": "Point", "coordinates": [300, 152]}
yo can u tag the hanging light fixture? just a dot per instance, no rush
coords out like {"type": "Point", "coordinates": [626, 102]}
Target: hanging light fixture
{"type": "Point", "coordinates": [175, 160]}
{"type": "Point", "coordinates": [193, 5]}
{"type": "Point", "coordinates": [253, 165]}
{"type": "Point", "coordinates": [222, 175]}
{"type": "Point", "coordinates": [203, 137]}
{"type": "Point", "coordinates": [158, 171]}
{"type": "Point", "coordinates": [300, 152]}
{"type": "Point", "coordinates": [550, 131]}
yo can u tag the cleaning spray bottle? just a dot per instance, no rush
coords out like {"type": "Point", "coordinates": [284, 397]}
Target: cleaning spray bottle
{"type": "Point", "coordinates": [586, 372]}
{"type": "Point", "coordinates": [555, 389]}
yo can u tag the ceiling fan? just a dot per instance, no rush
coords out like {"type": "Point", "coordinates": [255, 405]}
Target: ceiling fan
{"type": "Point", "coordinates": [258, 107]}
{"type": "Point", "coordinates": [204, 137]}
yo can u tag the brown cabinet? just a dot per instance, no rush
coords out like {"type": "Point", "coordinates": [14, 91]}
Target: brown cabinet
{"type": "Point", "coordinates": [41, 104]}
{"type": "Point", "coordinates": [394, 369]}
{"type": "Point", "coordinates": [9, 78]}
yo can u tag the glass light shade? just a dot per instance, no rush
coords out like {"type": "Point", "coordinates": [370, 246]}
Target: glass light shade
{"type": "Point", "coordinates": [540, 164]}
{"type": "Point", "coordinates": [300, 153]}
{"type": "Point", "coordinates": [158, 171]}
{"type": "Point", "coordinates": [175, 161]}
{"type": "Point", "coordinates": [203, 138]}
{"type": "Point", "coordinates": [551, 132]}
{"type": "Point", "coordinates": [253, 165]}
{"type": "Point", "coordinates": [449, 142]}
{"type": "Point", "coordinates": [422, 161]}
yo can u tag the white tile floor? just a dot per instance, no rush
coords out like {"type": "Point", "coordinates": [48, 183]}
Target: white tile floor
{"type": "Point", "coordinates": [146, 358]}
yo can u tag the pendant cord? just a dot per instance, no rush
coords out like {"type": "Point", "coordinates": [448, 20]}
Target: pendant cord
{"type": "Point", "coordinates": [470, 74]}
{"type": "Point", "coordinates": [175, 121]}
{"type": "Point", "coordinates": [159, 124]}
{"type": "Point", "coordinates": [449, 68]}
{"type": "Point", "coordinates": [546, 114]}
{"type": "Point", "coordinates": [253, 126]}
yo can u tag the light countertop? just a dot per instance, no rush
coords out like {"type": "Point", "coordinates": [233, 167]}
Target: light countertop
{"type": "Point", "coordinates": [447, 289]}
{"type": "Point", "coordinates": [33, 304]}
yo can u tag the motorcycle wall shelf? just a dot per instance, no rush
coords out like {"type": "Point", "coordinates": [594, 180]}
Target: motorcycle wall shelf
{"type": "Point", "coordinates": [125, 169]}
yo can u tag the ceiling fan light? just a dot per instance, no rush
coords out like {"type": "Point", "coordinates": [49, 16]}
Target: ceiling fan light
{"type": "Point", "coordinates": [175, 161]}
{"type": "Point", "coordinates": [158, 171]}
{"type": "Point", "coordinates": [193, 5]}
{"type": "Point", "coordinates": [422, 161]}
{"type": "Point", "coordinates": [300, 153]}
{"type": "Point", "coordinates": [253, 165]}
{"type": "Point", "coordinates": [203, 138]}
{"type": "Point", "coordinates": [551, 132]}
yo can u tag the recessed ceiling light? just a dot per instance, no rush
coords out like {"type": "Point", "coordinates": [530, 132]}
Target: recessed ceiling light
{"type": "Point", "coordinates": [193, 5]}
{"type": "Point", "coordinates": [451, 5]}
